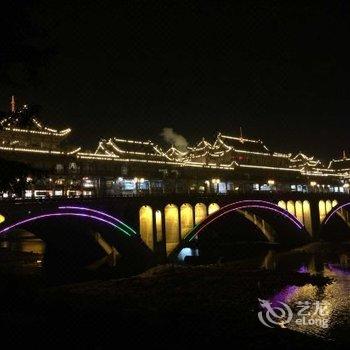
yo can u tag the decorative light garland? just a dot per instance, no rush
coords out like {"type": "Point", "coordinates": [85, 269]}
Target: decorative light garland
{"type": "Point", "coordinates": [29, 131]}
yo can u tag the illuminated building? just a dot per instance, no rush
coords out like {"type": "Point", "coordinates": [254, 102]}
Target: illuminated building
{"type": "Point", "coordinates": [129, 167]}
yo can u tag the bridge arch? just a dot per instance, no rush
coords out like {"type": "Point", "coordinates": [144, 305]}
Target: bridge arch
{"type": "Point", "coordinates": [299, 213]}
{"type": "Point", "coordinates": [200, 213]}
{"type": "Point", "coordinates": [307, 216]}
{"type": "Point", "coordinates": [66, 228]}
{"type": "Point", "coordinates": [261, 206]}
{"type": "Point", "coordinates": [291, 207]}
{"type": "Point", "coordinates": [172, 224]}
{"type": "Point", "coordinates": [261, 224]}
{"type": "Point", "coordinates": [282, 204]}
{"type": "Point", "coordinates": [325, 207]}
{"type": "Point", "coordinates": [336, 209]}
{"type": "Point", "coordinates": [301, 210]}
{"type": "Point", "coordinates": [212, 208]}
{"type": "Point", "coordinates": [186, 218]}
{"type": "Point", "coordinates": [146, 225]}
{"type": "Point", "coordinates": [40, 217]}
{"type": "Point", "coordinates": [336, 223]}
{"type": "Point", "coordinates": [159, 225]}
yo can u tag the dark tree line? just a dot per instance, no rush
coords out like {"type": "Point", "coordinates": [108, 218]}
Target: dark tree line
{"type": "Point", "coordinates": [13, 176]}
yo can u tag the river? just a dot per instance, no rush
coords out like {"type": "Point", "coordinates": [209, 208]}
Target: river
{"type": "Point", "coordinates": [324, 259]}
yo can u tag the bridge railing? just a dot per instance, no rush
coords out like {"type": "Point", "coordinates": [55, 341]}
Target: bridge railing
{"type": "Point", "coordinates": [232, 194]}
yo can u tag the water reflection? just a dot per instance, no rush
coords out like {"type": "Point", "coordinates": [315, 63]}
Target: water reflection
{"type": "Point", "coordinates": [324, 259]}
{"type": "Point", "coordinates": [334, 323]}
{"type": "Point", "coordinates": [23, 241]}
{"type": "Point", "coordinates": [32, 245]}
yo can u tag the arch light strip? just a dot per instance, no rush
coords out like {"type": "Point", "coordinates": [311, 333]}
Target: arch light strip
{"type": "Point", "coordinates": [101, 213]}
{"type": "Point", "coordinates": [19, 223]}
{"type": "Point", "coordinates": [300, 226]}
{"type": "Point", "coordinates": [266, 203]}
{"type": "Point", "coordinates": [335, 210]}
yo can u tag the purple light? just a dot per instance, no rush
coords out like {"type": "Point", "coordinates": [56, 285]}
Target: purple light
{"type": "Point", "coordinates": [334, 210]}
{"type": "Point", "coordinates": [282, 211]}
{"type": "Point", "coordinates": [101, 213]}
{"type": "Point", "coordinates": [303, 269]}
{"type": "Point", "coordinates": [338, 270]}
{"type": "Point", "coordinates": [251, 201]}
{"type": "Point", "coordinates": [22, 222]}
{"type": "Point", "coordinates": [274, 208]}
{"type": "Point", "coordinates": [284, 295]}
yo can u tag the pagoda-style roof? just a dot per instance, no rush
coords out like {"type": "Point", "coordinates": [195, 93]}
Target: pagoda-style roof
{"type": "Point", "coordinates": [242, 144]}
{"type": "Point", "coordinates": [230, 151]}
{"type": "Point", "coordinates": [25, 120]}
{"type": "Point", "coordinates": [121, 148]}
{"type": "Point", "coordinates": [302, 161]}
{"type": "Point", "coordinates": [175, 154]}
{"type": "Point", "coordinates": [204, 151]}
{"type": "Point", "coordinates": [340, 164]}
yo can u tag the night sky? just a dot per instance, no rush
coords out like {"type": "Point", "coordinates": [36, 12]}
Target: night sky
{"type": "Point", "coordinates": [131, 68]}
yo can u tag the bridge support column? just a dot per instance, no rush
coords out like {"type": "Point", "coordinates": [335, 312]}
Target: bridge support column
{"type": "Point", "coordinates": [112, 254]}
{"type": "Point", "coordinates": [315, 220]}
{"type": "Point", "coordinates": [159, 236]}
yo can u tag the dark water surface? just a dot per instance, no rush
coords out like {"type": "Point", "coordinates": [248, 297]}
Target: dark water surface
{"type": "Point", "coordinates": [325, 259]}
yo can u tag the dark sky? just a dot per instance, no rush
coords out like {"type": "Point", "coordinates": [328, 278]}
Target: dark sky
{"type": "Point", "coordinates": [130, 68]}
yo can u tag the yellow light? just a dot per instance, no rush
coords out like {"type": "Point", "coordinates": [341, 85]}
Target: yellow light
{"type": "Point", "coordinates": [313, 183]}
{"type": "Point", "coordinates": [2, 219]}
{"type": "Point", "coordinates": [346, 185]}
{"type": "Point", "coordinates": [270, 182]}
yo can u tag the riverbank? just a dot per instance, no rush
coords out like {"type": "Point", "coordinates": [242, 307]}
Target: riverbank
{"type": "Point", "coordinates": [168, 305]}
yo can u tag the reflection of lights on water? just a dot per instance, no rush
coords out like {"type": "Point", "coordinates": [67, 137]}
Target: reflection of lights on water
{"type": "Point", "coordinates": [303, 269]}
{"type": "Point", "coordinates": [284, 295]}
{"type": "Point", "coordinates": [187, 252]}
{"type": "Point", "coordinates": [35, 246]}
{"type": "Point", "coordinates": [338, 270]}
{"type": "Point", "coordinates": [311, 320]}
{"type": "Point", "coordinates": [4, 244]}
